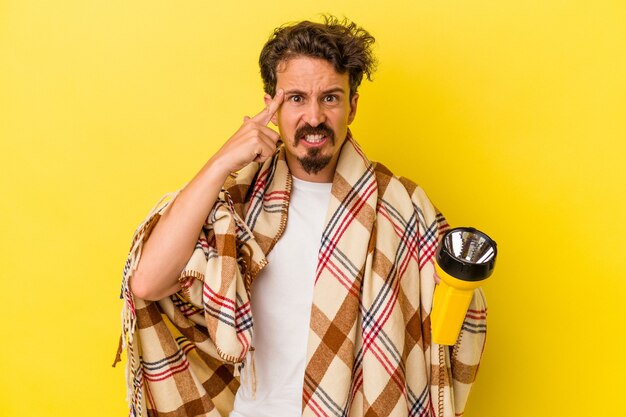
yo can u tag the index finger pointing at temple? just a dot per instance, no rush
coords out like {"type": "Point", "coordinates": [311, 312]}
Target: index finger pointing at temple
{"type": "Point", "coordinates": [268, 112]}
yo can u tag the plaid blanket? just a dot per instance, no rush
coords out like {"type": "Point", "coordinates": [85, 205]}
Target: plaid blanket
{"type": "Point", "coordinates": [369, 348]}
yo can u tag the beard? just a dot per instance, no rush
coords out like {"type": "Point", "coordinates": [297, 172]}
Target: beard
{"type": "Point", "coordinates": [314, 161]}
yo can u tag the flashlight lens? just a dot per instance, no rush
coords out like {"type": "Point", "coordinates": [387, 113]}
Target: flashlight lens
{"type": "Point", "coordinates": [469, 246]}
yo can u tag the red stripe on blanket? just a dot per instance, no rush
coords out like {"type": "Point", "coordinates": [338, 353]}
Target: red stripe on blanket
{"type": "Point", "coordinates": [276, 195]}
{"type": "Point", "coordinates": [399, 231]}
{"type": "Point", "coordinates": [260, 182]}
{"type": "Point", "coordinates": [244, 341]}
{"type": "Point", "coordinates": [343, 280]}
{"type": "Point", "coordinates": [358, 381]}
{"type": "Point", "coordinates": [382, 358]}
{"type": "Point", "coordinates": [370, 337]}
{"type": "Point", "coordinates": [218, 299]}
{"type": "Point", "coordinates": [318, 410]}
{"type": "Point", "coordinates": [347, 219]}
{"type": "Point", "coordinates": [476, 316]}
{"type": "Point", "coordinates": [243, 310]}
{"type": "Point", "coordinates": [166, 374]}
{"type": "Point", "coordinates": [427, 254]}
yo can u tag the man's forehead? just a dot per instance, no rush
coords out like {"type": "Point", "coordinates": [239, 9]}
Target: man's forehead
{"type": "Point", "coordinates": [310, 73]}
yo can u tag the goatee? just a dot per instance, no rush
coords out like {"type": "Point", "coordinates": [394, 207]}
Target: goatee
{"type": "Point", "coordinates": [314, 162]}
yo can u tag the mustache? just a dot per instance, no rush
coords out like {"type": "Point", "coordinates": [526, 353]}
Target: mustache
{"type": "Point", "coordinates": [320, 129]}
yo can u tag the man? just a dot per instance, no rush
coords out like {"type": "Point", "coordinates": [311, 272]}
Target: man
{"type": "Point", "coordinates": [302, 284]}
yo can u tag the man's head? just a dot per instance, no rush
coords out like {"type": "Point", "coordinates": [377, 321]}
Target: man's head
{"type": "Point", "coordinates": [342, 43]}
{"type": "Point", "coordinates": [320, 67]}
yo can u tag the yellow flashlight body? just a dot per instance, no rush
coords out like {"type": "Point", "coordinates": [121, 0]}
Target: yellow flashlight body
{"type": "Point", "coordinates": [450, 303]}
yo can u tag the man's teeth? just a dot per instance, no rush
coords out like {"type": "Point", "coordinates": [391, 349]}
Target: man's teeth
{"type": "Point", "coordinates": [314, 138]}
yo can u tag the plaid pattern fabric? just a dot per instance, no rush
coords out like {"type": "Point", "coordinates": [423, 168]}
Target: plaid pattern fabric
{"type": "Point", "coordinates": [369, 348]}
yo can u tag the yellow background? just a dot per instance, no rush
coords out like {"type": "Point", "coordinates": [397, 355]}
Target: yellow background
{"type": "Point", "coordinates": [511, 114]}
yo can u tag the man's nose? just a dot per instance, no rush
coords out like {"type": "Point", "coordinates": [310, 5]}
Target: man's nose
{"type": "Point", "coordinates": [314, 114]}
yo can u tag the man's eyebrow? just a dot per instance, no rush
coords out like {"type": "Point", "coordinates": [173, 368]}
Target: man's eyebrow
{"type": "Point", "coordinates": [294, 91]}
{"type": "Point", "coordinates": [329, 91]}
{"type": "Point", "coordinates": [334, 90]}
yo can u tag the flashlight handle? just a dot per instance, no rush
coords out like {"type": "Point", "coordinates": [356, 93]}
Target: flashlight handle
{"type": "Point", "coordinates": [450, 306]}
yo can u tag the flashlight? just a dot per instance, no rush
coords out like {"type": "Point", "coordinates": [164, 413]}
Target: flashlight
{"type": "Point", "coordinates": [465, 258]}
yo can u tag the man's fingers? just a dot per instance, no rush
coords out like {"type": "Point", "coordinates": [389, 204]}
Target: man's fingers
{"type": "Point", "coordinates": [275, 104]}
{"type": "Point", "coordinates": [246, 118]}
{"type": "Point", "coordinates": [270, 133]}
{"type": "Point", "coordinates": [261, 153]}
{"type": "Point", "coordinates": [262, 142]}
{"type": "Point", "coordinates": [267, 113]}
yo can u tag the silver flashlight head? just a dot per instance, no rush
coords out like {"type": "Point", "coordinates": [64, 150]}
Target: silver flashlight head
{"type": "Point", "coordinates": [467, 254]}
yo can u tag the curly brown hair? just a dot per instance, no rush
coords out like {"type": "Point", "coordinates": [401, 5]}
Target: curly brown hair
{"type": "Point", "coordinates": [341, 42]}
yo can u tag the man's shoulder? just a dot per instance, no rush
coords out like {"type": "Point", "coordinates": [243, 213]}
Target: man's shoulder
{"type": "Point", "coordinates": [397, 191]}
{"type": "Point", "coordinates": [385, 177]}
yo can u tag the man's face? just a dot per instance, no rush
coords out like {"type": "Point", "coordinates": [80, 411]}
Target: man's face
{"type": "Point", "coordinates": [314, 117]}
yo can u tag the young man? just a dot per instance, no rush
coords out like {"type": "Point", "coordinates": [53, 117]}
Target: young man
{"type": "Point", "coordinates": [302, 284]}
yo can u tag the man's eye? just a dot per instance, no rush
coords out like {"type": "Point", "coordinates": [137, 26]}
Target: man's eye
{"type": "Point", "coordinates": [296, 99]}
{"type": "Point", "coordinates": [330, 99]}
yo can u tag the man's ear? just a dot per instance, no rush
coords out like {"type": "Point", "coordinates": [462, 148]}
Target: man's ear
{"type": "Point", "coordinates": [353, 103]}
{"type": "Point", "coordinates": [268, 99]}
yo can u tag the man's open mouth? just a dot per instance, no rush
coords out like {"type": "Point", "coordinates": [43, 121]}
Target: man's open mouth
{"type": "Point", "coordinates": [313, 139]}
{"type": "Point", "coordinates": [314, 136]}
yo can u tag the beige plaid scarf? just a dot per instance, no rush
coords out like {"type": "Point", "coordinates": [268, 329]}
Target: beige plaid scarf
{"type": "Point", "coordinates": [369, 349]}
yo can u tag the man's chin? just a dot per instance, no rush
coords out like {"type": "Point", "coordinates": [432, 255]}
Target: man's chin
{"type": "Point", "coordinates": [314, 164]}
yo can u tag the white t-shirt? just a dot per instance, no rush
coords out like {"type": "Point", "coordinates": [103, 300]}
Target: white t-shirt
{"type": "Point", "coordinates": [282, 295]}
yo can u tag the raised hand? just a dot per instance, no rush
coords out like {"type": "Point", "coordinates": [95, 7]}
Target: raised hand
{"type": "Point", "coordinates": [254, 141]}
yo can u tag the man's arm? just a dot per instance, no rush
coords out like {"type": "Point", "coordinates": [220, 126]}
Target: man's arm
{"type": "Point", "coordinates": [171, 243]}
